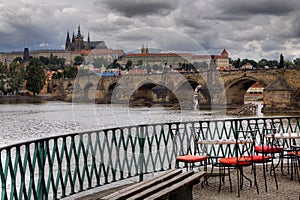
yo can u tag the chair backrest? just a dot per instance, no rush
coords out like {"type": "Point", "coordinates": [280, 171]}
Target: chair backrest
{"type": "Point", "coordinates": [185, 137]}
{"type": "Point", "coordinates": [245, 142]}
{"type": "Point", "coordinates": [198, 134]}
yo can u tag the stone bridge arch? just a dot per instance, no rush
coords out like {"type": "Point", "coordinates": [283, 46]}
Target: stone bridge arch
{"type": "Point", "coordinates": [237, 88]}
{"type": "Point", "coordinates": [151, 93]}
{"type": "Point", "coordinates": [197, 95]}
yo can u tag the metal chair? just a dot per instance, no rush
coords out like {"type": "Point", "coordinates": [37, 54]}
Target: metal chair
{"type": "Point", "coordinates": [189, 151]}
{"type": "Point", "coordinates": [243, 158]}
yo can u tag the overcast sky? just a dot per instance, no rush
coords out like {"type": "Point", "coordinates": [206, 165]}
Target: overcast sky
{"type": "Point", "coordinates": [252, 29]}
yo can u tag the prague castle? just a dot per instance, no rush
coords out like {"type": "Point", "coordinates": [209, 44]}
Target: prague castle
{"type": "Point", "coordinates": [78, 44]}
{"type": "Point", "coordinates": [75, 47]}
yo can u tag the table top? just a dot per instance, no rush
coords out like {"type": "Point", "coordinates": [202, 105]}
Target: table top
{"type": "Point", "coordinates": [284, 136]}
{"type": "Point", "coordinates": [225, 141]}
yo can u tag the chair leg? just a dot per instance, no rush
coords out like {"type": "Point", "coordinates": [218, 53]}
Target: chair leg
{"type": "Point", "coordinates": [274, 173]}
{"type": "Point", "coordinates": [265, 176]}
{"type": "Point", "coordinates": [221, 174]}
{"type": "Point", "coordinates": [229, 177]}
{"type": "Point", "coordinates": [297, 167]}
{"type": "Point", "coordinates": [255, 180]}
{"type": "Point", "coordinates": [238, 180]}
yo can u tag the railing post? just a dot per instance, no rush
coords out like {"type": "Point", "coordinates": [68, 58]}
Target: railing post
{"type": "Point", "coordinates": [141, 135]}
{"type": "Point", "coordinates": [41, 161]}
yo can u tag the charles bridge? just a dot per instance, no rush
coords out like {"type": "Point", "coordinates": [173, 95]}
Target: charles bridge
{"type": "Point", "coordinates": [213, 88]}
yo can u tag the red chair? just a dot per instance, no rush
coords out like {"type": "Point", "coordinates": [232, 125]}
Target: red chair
{"type": "Point", "coordinates": [269, 150]}
{"type": "Point", "coordinates": [295, 155]}
{"type": "Point", "coordinates": [189, 141]}
{"type": "Point", "coordinates": [244, 158]}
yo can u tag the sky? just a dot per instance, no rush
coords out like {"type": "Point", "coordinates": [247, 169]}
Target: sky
{"type": "Point", "coordinates": [252, 29]}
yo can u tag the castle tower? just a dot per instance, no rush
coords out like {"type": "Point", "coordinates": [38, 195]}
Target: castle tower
{"type": "Point", "coordinates": [224, 53]}
{"type": "Point", "coordinates": [146, 50]}
{"type": "Point", "coordinates": [88, 42]}
{"type": "Point", "coordinates": [78, 41]}
{"type": "Point", "coordinates": [26, 55]}
{"type": "Point", "coordinates": [142, 49]}
{"type": "Point", "coordinates": [68, 42]}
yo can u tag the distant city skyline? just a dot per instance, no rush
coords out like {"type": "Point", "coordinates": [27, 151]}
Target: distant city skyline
{"type": "Point", "coordinates": [247, 29]}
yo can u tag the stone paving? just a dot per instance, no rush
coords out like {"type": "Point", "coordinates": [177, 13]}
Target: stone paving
{"type": "Point", "coordinates": [288, 189]}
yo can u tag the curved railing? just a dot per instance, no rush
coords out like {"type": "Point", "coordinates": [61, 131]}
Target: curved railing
{"type": "Point", "coordinates": [56, 167]}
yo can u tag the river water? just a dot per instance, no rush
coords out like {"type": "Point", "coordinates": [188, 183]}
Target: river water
{"type": "Point", "coordinates": [22, 122]}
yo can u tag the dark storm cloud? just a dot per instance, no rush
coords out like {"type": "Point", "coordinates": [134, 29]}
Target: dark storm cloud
{"type": "Point", "coordinates": [253, 7]}
{"type": "Point", "coordinates": [131, 8]}
{"type": "Point", "coordinates": [246, 28]}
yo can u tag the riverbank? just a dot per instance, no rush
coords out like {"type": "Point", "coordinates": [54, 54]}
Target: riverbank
{"type": "Point", "coordinates": [12, 99]}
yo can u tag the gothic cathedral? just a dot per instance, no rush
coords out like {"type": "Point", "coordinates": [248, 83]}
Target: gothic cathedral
{"type": "Point", "coordinates": [78, 44]}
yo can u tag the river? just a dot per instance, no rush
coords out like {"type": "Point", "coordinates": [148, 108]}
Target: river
{"type": "Point", "coordinates": [22, 122]}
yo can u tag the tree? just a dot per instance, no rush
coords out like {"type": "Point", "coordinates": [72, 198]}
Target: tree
{"type": "Point", "coordinates": [114, 65]}
{"type": "Point", "coordinates": [35, 76]}
{"type": "Point", "coordinates": [3, 78]}
{"type": "Point", "coordinates": [273, 63]}
{"type": "Point", "coordinates": [237, 63]}
{"type": "Point", "coordinates": [18, 59]}
{"type": "Point", "coordinates": [16, 76]}
{"type": "Point", "coordinates": [281, 62]}
{"type": "Point", "coordinates": [128, 65]}
{"type": "Point", "coordinates": [297, 62]}
{"type": "Point", "coordinates": [70, 72]}
{"type": "Point", "coordinates": [252, 62]}
{"type": "Point", "coordinates": [288, 64]}
{"type": "Point", "coordinates": [263, 63]}
{"type": "Point", "coordinates": [44, 60]}
{"type": "Point", "coordinates": [78, 60]}
{"type": "Point", "coordinates": [140, 62]}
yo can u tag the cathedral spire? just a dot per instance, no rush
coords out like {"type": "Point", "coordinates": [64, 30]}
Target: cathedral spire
{"type": "Point", "coordinates": [78, 32]}
{"type": "Point", "coordinates": [68, 42]}
{"type": "Point", "coordinates": [73, 38]}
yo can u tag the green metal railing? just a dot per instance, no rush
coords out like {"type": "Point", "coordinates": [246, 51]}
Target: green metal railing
{"type": "Point", "coordinates": [56, 167]}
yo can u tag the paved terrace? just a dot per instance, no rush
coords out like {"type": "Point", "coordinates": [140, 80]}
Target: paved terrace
{"type": "Point", "coordinates": [287, 189]}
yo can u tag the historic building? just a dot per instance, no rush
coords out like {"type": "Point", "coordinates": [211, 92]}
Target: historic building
{"type": "Point", "coordinates": [145, 57]}
{"type": "Point", "coordinates": [78, 43]}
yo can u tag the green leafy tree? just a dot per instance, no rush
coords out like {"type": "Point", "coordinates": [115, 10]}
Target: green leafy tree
{"type": "Point", "coordinates": [128, 65]}
{"type": "Point", "coordinates": [273, 63]}
{"type": "Point", "coordinates": [252, 62]}
{"type": "Point", "coordinates": [281, 62]}
{"type": "Point", "coordinates": [18, 59]}
{"type": "Point", "coordinates": [140, 62]}
{"type": "Point", "coordinates": [70, 72]}
{"type": "Point", "coordinates": [236, 63]}
{"type": "Point", "coordinates": [44, 60]}
{"type": "Point", "coordinates": [114, 65]}
{"type": "Point", "coordinates": [78, 60]}
{"type": "Point", "coordinates": [297, 62]}
{"type": "Point", "coordinates": [35, 76]}
{"type": "Point", "coordinates": [288, 64]}
{"type": "Point", "coordinates": [3, 78]}
{"type": "Point", "coordinates": [263, 63]}
{"type": "Point", "coordinates": [16, 76]}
